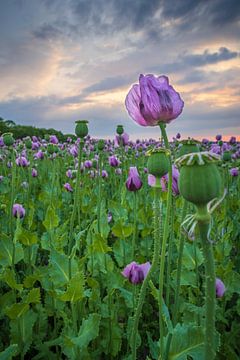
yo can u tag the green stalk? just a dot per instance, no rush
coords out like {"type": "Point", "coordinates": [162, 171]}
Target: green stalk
{"type": "Point", "coordinates": [169, 262]}
{"type": "Point", "coordinates": [134, 225]}
{"type": "Point", "coordinates": [75, 202]}
{"type": "Point", "coordinates": [13, 185]}
{"type": "Point", "coordinates": [210, 290]}
{"type": "Point", "coordinates": [155, 259]}
{"type": "Point", "coordinates": [99, 192]}
{"type": "Point", "coordinates": [164, 243]}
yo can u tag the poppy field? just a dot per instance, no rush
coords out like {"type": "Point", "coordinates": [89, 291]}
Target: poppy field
{"type": "Point", "coordinates": [121, 249]}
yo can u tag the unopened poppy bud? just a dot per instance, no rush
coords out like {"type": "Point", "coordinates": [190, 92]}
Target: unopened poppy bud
{"type": "Point", "coordinates": [28, 144]}
{"type": "Point", "coordinates": [158, 162]}
{"type": "Point", "coordinates": [81, 129]}
{"type": "Point", "coordinates": [199, 180]}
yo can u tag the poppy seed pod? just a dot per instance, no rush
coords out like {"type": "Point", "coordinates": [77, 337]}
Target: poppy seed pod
{"type": "Point", "coordinates": [28, 144]}
{"type": "Point", "coordinates": [158, 162]}
{"type": "Point", "coordinates": [101, 144]}
{"type": "Point", "coordinates": [81, 129]}
{"type": "Point", "coordinates": [227, 156]}
{"type": "Point", "coordinates": [120, 130]}
{"type": "Point", "coordinates": [8, 139]}
{"type": "Point", "coordinates": [199, 180]}
{"type": "Point", "coordinates": [188, 146]}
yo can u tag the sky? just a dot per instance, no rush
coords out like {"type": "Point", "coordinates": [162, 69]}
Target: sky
{"type": "Point", "coordinates": [65, 60]}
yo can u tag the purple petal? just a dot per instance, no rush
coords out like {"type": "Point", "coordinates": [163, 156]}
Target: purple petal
{"type": "Point", "coordinates": [132, 104]}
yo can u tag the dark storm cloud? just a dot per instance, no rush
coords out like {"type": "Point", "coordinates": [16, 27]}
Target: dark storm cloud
{"type": "Point", "coordinates": [186, 61]}
{"type": "Point", "coordinates": [108, 83]}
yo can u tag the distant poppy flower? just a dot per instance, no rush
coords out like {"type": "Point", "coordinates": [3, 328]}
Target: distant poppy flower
{"type": "Point", "coordinates": [22, 161]}
{"type": "Point", "coordinates": [218, 137]}
{"type": "Point", "coordinates": [153, 100]}
{"type": "Point", "coordinates": [113, 161]}
{"type": "Point", "coordinates": [133, 182]}
{"type": "Point", "coordinates": [34, 173]}
{"type": "Point", "coordinates": [53, 139]}
{"type": "Point", "coordinates": [220, 288]}
{"type": "Point", "coordinates": [234, 171]}
{"type": "Point", "coordinates": [18, 211]}
{"type": "Point", "coordinates": [68, 187]}
{"type": "Point", "coordinates": [121, 139]}
{"type": "Point", "coordinates": [136, 273]}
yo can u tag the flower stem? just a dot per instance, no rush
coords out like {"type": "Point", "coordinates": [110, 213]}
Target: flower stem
{"type": "Point", "coordinates": [164, 242]}
{"type": "Point", "coordinates": [155, 259]}
{"type": "Point", "coordinates": [210, 291]}
{"type": "Point", "coordinates": [99, 192]}
{"type": "Point", "coordinates": [135, 224]}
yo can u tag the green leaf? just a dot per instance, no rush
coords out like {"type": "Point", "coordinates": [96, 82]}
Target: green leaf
{"type": "Point", "coordinates": [100, 244]}
{"type": "Point", "coordinates": [51, 219]}
{"type": "Point", "coordinates": [6, 250]}
{"type": "Point", "coordinates": [190, 257]}
{"type": "Point", "coordinates": [75, 289]}
{"type": "Point", "coordinates": [26, 237]}
{"type": "Point", "coordinates": [17, 310]}
{"type": "Point", "coordinates": [88, 331]}
{"type": "Point", "coordinates": [59, 268]}
{"type": "Point", "coordinates": [122, 231]}
{"type": "Point", "coordinates": [34, 296]}
{"type": "Point", "coordinates": [9, 277]}
{"type": "Point", "coordinates": [187, 341]}
{"type": "Point", "coordinates": [9, 352]}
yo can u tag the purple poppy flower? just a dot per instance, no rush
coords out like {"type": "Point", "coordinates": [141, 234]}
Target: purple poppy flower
{"type": "Point", "coordinates": [18, 211]}
{"type": "Point", "coordinates": [216, 149]}
{"type": "Point", "coordinates": [178, 136]}
{"type": "Point", "coordinates": [68, 187]}
{"type": "Point", "coordinates": [153, 100]}
{"type": "Point", "coordinates": [234, 171]}
{"type": "Point", "coordinates": [1, 178]}
{"type": "Point", "coordinates": [53, 139]}
{"type": "Point", "coordinates": [22, 161]}
{"type": "Point", "coordinates": [205, 141]}
{"type": "Point", "coordinates": [39, 155]}
{"type": "Point", "coordinates": [133, 182]}
{"type": "Point", "coordinates": [220, 288]}
{"type": "Point", "coordinates": [136, 273]}
{"type": "Point", "coordinates": [88, 164]}
{"type": "Point", "coordinates": [34, 173]}
{"type": "Point", "coordinates": [218, 137]}
{"type": "Point", "coordinates": [232, 140]}
{"type": "Point", "coordinates": [113, 161]}
{"type": "Point", "coordinates": [104, 174]}
{"type": "Point", "coordinates": [121, 139]}
{"type": "Point", "coordinates": [73, 150]}
{"type": "Point", "coordinates": [34, 138]}
{"type": "Point", "coordinates": [35, 145]}
{"type": "Point", "coordinates": [1, 141]}
{"type": "Point", "coordinates": [69, 174]}
{"type": "Point", "coordinates": [175, 176]}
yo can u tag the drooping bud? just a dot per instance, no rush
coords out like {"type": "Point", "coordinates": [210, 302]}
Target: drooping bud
{"type": "Point", "coordinates": [200, 180]}
{"type": "Point", "coordinates": [81, 129]}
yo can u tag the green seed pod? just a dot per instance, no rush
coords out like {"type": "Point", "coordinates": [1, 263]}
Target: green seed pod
{"type": "Point", "coordinates": [101, 144]}
{"type": "Point", "coordinates": [188, 146]}
{"type": "Point", "coordinates": [227, 156]}
{"type": "Point", "coordinates": [47, 137]}
{"type": "Point", "coordinates": [120, 130]}
{"type": "Point", "coordinates": [8, 139]}
{"type": "Point", "coordinates": [158, 162]}
{"type": "Point", "coordinates": [81, 129]}
{"type": "Point", "coordinates": [28, 144]}
{"type": "Point", "coordinates": [50, 148]}
{"type": "Point", "coordinates": [94, 163]}
{"type": "Point", "coordinates": [220, 142]}
{"type": "Point", "coordinates": [199, 180]}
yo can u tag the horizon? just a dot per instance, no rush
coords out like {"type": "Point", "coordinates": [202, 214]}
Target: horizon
{"type": "Point", "coordinates": [76, 59]}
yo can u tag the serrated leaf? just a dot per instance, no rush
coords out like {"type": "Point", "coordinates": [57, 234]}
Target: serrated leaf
{"type": "Point", "coordinates": [59, 268]}
{"type": "Point", "coordinates": [51, 220]}
{"type": "Point", "coordinates": [88, 331]}
{"type": "Point", "coordinates": [190, 257]}
{"type": "Point", "coordinates": [17, 310]}
{"type": "Point", "coordinates": [187, 341]}
{"type": "Point", "coordinates": [30, 280]}
{"type": "Point", "coordinates": [33, 296]}
{"type": "Point", "coordinates": [122, 231]}
{"type": "Point", "coordinates": [9, 278]}
{"type": "Point", "coordinates": [9, 352]}
{"type": "Point", "coordinates": [6, 251]}
{"type": "Point", "coordinates": [26, 237]}
{"type": "Point", "coordinates": [100, 244]}
{"type": "Point", "coordinates": [75, 289]}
